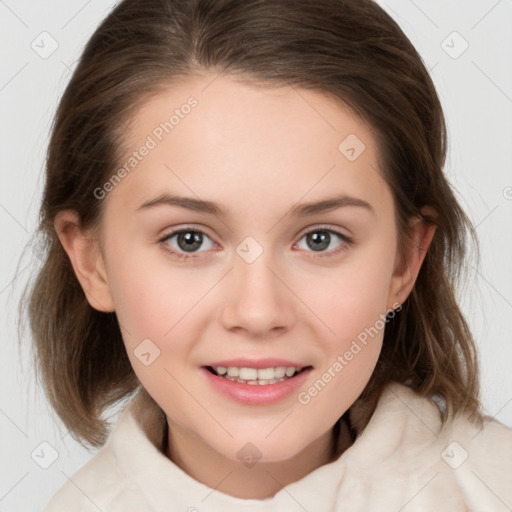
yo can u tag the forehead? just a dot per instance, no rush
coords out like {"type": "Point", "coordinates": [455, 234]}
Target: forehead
{"type": "Point", "coordinates": [215, 137]}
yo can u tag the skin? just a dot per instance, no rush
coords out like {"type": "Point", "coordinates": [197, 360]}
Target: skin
{"type": "Point", "coordinates": [257, 152]}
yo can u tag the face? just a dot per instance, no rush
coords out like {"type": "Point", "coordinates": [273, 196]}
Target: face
{"type": "Point", "coordinates": [289, 262]}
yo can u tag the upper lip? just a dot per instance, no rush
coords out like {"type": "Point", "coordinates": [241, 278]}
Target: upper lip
{"type": "Point", "coordinates": [269, 362]}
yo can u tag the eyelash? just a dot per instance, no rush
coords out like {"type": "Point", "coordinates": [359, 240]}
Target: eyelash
{"type": "Point", "coordinates": [347, 242]}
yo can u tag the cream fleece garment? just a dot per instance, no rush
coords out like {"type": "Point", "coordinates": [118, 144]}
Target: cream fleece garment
{"type": "Point", "coordinates": [402, 461]}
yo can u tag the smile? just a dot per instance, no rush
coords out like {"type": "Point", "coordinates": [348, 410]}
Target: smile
{"type": "Point", "coordinates": [248, 385]}
{"type": "Point", "coordinates": [254, 376]}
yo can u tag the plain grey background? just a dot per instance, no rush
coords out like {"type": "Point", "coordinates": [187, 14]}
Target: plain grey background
{"type": "Point", "coordinates": [466, 45]}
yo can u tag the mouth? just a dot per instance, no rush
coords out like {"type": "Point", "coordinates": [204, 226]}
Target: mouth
{"type": "Point", "coordinates": [257, 376]}
{"type": "Point", "coordinates": [257, 382]}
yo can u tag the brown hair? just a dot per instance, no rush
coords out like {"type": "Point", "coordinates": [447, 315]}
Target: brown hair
{"type": "Point", "coordinates": [350, 49]}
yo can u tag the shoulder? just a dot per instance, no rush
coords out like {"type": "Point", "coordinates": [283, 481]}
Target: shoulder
{"type": "Point", "coordinates": [94, 486]}
{"type": "Point", "coordinates": [460, 464]}
{"type": "Point", "coordinates": [486, 442]}
{"type": "Point", "coordinates": [484, 439]}
{"type": "Point", "coordinates": [479, 456]}
{"type": "Point", "coordinates": [473, 455]}
{"type": "Point", "coordinates": [107, 481]}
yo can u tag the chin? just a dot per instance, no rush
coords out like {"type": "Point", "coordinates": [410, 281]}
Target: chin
{"type": "Point", "coordinates": [273, 449]}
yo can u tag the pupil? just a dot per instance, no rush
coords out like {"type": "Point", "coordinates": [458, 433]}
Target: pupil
{"type": "Point", "coordinates": [320, 240]}
{"type": "Point", "coordinates": [190, 240]}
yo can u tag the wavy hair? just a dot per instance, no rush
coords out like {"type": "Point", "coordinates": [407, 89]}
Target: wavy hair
{"type": "Point", "coordinates": [350, 49]}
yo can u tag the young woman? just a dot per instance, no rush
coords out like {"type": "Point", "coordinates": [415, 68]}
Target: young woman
{"type": "Point", "coordinates": [251, 238]}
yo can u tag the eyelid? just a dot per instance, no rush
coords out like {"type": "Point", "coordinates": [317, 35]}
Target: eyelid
{"type": "Point", "coordinates": [204, 231]}
{"type": "Point", "coordinates": [348, 240]}
{"type": "Point", "coordinates": [188, 227]}
{"type": "Point", "coordinates": [182, 255]}
{"type": "Point", "coordinates": [325, 227]}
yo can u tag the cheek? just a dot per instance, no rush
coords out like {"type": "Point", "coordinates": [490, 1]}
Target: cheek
{"type": "Point", "coordinates": [352, 297]}
{"type": "Point", "coordinates": [155, 310]}
{"type": "Point", "coordinates": [157, 301]}
{"type": "Point", "coordinates": [354, 309]}
{"type": "Point", "coordinates": [146, 299]}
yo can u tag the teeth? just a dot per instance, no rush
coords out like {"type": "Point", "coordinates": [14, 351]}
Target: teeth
{"type": "Point", "coordinates": [255, 376]}
{"type": "Point", "coordinates": [279, 372]}
{"type": "Point", "coordinates": [266, 374]}
{"type": "Point", "coordinates": [254, 382]}
{"type": "Point", "coordinates": [248, 373]}
{"type": "Point", "coordinates": [232, 371]}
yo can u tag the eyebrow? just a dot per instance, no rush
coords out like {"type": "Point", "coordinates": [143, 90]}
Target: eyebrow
{"type": "Point", "coordinates": [299, 210]}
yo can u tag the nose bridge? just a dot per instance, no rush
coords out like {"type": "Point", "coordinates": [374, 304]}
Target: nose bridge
{"type": "Point", "coordinates": [259, 302]}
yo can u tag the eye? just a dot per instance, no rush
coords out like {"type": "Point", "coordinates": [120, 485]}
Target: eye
{"type": "Point", "coordinates": [323, 240]}
{"type": "Point", "coordinates": [184, 243]}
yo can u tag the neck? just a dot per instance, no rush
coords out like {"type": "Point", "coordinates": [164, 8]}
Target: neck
{"type": "Point", "coordinates": [259, 481]}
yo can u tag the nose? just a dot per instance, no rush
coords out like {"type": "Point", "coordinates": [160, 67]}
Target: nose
{"type": "Point", "coordinates": [259, 303]}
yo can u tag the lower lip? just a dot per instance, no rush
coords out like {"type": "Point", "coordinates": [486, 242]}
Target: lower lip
{"type": "Point", "coordinates": [256, 394]}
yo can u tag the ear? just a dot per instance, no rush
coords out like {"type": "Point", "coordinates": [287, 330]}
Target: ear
{"type": "Point", "coordinates": [84, 253]}
{"type": "Point", "coordinates": [407, 268]}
